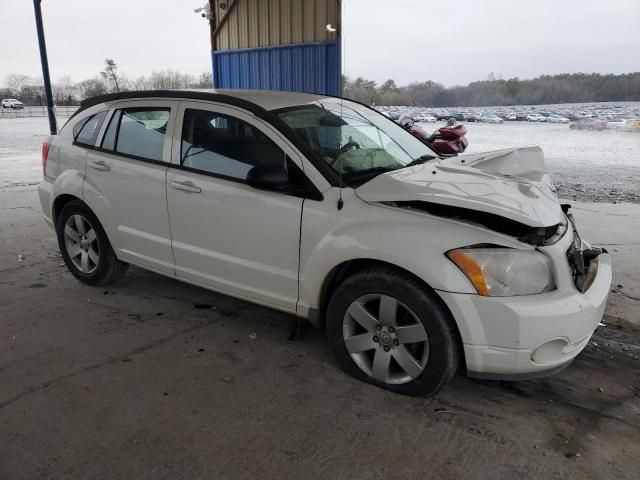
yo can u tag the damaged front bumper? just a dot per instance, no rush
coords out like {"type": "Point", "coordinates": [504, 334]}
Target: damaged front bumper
{"type": "Point", "coordinates": [535, 335]}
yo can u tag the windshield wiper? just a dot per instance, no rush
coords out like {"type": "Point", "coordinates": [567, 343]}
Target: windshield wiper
{"type": "Point", "coordinates": [420, 160]}
{"type": "Point", "coordinates": [364, 175]}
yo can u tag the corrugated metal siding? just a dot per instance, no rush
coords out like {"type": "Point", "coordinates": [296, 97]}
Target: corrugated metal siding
{"type": "Point", "coordinates": [262, 23]}
{"type": "Point", "coordinates": [307, 67]}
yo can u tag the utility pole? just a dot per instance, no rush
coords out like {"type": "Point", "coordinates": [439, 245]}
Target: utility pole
{"type": "Point", "coordinates": [212, 36]}
{"type": "Point", "coordinates": [45, 68]}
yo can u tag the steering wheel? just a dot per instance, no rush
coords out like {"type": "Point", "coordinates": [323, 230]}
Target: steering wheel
{"type": "Point", "coordinates": [347, 147]}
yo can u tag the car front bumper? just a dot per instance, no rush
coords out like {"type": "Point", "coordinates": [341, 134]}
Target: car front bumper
{"type": "Point", "coordinates": [528, 336]}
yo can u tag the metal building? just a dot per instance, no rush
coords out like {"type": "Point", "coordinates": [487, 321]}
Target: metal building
{"type": "Point", "coordinates": [291, 45]}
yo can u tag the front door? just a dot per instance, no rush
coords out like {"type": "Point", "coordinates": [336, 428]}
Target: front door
{"type": "Point", "coordinates": [225, 234]}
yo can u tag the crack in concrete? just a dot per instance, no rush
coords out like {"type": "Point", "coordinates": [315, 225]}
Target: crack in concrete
{"type": "Point", "coordinates": [616, 244]}
{"type": "Point", "coordinates": [608, 214]}
{"type": "Point", "coordinates": [626, 295]}
{"type": "Point", "coordinates": [95, 366]}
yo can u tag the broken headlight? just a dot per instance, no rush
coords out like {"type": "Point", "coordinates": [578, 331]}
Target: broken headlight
{"type": "Point", "coordinates": [505, 272]}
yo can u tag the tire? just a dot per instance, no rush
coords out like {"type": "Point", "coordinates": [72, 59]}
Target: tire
{"type": "Point", "coordinates": [358, 343]}
{"type": "Point", "coordinates": [84, 246]}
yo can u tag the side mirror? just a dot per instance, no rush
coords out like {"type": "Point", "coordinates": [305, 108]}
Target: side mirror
{"type": "Point", "coordinates": [268, 177]}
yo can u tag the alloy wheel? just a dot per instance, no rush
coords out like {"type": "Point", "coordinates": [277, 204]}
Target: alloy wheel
{"type": "Point", "coordinates": [385, 339]}
{"type": "Point", "coordinates": [81, 243]}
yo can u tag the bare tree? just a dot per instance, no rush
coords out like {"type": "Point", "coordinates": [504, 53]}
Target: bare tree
{"type": "Point", "coordinates": [92, 87]}
{"type": "Point", "coordinates": [109, 72]}
{"type": "Point", "coordinates": [69, 89]}
{"type": "Point", "coordinates": [17, 81]}
{"type": "Point", "coordinates": [205, 80]}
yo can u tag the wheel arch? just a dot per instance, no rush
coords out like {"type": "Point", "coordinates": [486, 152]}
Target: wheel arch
{"type": "Point", "coordinates": [350, 267]}
{"type": "Point", "coordinates": [58, 204]}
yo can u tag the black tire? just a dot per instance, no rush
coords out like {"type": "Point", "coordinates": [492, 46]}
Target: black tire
{"type": "Point", "coordinates": [108, 267]}
{"type": "Point", "coordinates": [443, 343]}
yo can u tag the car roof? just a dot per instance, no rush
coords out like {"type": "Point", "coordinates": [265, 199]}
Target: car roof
{"type": "Point", "coordinates": [264, 99]}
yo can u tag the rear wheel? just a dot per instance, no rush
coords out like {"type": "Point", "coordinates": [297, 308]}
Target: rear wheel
{"type": "Point", "coordinates": [387, 328]}
{"type": "Point", "coordinates": [85, 247]}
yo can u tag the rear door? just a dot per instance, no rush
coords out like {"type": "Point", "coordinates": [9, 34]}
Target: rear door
{"type": "Point", "coordinates": [126, 181]}
{"type": "Point", "coordinates": [225, 234]}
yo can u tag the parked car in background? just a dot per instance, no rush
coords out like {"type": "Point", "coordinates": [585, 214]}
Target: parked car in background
{"type": "Point", "coordinates": [492, 118]}
{"type": "Point", "coordinates": [536, 117]}
{"type": "Point", "coordinates": [588, 124]}
{"type": "Point", "coordinates": [557, 119]}
{"type": "Point", "coordinates": [323, 208]}
{"type": "Point", "coordinates": [426, 118]}
{"type": "Point", "coordinates": [443, 115]}
{"type": "Point", "coordinates": [620, 124]}
{"type": "Point", "coordinates": [12, 103]}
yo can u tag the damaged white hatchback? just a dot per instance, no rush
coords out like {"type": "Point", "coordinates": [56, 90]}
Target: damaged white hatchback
{"type": "Point", "coordinates": [417, 266]}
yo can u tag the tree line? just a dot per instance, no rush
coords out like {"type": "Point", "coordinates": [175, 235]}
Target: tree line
{"type": "Point", "coordinates": [67, 92]}
{"type": "Point", "coordinates": [546, 89]}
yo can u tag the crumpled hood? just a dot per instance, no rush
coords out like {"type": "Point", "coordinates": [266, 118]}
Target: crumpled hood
{"type": "Point", "coordinates": [512, 183]}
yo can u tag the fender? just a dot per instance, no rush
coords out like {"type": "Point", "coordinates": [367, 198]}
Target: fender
{"type": "Point", "coordinates": [101, 207]}
{"type": "Point", "coordinates": [69, 182]}
{"type": "Point", "coordinates": [411, 240]}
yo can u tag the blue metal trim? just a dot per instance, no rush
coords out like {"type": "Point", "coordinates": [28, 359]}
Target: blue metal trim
{"type": "Point", "coordinates": [306, 67]}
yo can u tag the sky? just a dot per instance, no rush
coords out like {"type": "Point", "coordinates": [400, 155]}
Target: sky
{"type": "Point", "coordinates": [451, 42]}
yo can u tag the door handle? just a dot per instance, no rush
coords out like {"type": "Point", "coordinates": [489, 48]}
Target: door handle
{"type": "Point", "coordinates": [186, 187]}
{"type": "Point", "coordinates": [99, 165]}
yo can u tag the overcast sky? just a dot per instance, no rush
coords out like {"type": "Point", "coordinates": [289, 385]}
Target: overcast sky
{"type": "Point", "coordinates": [452, 42]}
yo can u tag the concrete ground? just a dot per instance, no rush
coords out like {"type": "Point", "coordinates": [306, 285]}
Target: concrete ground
{"type": "Point", "coordinates": [154, 379]}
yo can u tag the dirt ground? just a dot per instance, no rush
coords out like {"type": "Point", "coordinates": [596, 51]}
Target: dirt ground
{"type": "Point", "coordinates": [154, 379]}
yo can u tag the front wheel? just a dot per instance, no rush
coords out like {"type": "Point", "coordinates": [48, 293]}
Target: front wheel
{"type": "Point", "coordinates": [387, 328]}
{"type": "Point", "coordinates": [85, 247]}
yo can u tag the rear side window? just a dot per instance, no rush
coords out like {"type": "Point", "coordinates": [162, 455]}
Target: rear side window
{"type": "Point", "coordinates": [138, 132]}
{"type": "Point", "coordinates": [225, 145]}
{"type": "Point", "coordinates": [86, 131]}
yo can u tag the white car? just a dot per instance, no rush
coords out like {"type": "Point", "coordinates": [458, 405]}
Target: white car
{"type": "Point", "coordinates": [492, 119]}
{"type": "Point", "coordinates": [417, 266]}
{"type": "Point", "coordinates": [536, 117]}
{"type": "Point", "coordinates": [620, 124]}
{"type": "Point", "coordinates": [12, 103]}
{"type": "Point", "coordinates": [423, 117]}
{"type": "Point", "coordinates": [557, 119]}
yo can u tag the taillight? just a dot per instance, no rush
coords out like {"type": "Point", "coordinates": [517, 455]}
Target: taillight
{"type": "Point", "coordinates": [45, 154]}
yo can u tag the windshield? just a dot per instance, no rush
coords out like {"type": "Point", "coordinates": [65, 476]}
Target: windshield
{"type": "Point", "coordinates": [353, 139]}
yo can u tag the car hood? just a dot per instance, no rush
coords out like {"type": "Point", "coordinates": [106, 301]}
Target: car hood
{"type": "Point", "coordinates": [512, 183]}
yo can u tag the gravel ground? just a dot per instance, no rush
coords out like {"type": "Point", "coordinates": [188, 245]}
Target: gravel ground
{"type": "Point", "coordinates": [586, 165]}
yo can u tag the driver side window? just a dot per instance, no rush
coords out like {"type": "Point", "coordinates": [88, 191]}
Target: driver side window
{"type": "Point", "coordinates": [224, 145]}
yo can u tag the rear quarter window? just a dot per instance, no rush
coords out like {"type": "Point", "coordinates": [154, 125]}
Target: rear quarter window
{"type": "Point", "coordinates": [85, 132]}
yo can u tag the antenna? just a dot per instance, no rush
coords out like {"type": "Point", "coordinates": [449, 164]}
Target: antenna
{"type": "Point", "coordinates": [343, 8]}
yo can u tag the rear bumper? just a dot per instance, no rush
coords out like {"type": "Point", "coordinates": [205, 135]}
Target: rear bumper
{"type": "Point", "coordinates": [528, 336]}
{"type": "Point", "coordinates": [45, 193]}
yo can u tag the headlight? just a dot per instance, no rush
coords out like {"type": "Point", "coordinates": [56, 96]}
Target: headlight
{"type": "Point", "coordinates": [504, 272]}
